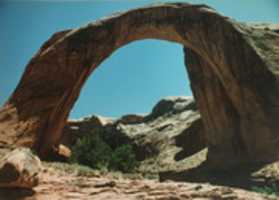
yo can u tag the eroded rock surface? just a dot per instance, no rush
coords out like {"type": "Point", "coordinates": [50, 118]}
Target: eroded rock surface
{"type": "Point", "coordinates": [106, 188]}
{"type": "Point", "coordinates": [62, 184]}
{"type": "Point", "coordinates": [233, 68]}
{"type": "Point", "coordinates": [19, 169]}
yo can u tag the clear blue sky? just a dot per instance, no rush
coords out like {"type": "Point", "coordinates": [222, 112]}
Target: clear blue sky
{"type": "Point", "coordinates": [134, 78]}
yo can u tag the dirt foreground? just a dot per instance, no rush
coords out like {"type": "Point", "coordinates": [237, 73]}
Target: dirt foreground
{"type": "Point", "coordinates": [61, 185]}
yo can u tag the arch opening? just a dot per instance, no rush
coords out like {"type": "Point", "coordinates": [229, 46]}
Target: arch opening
{"type": "Point", "coordinates": [133, 79]}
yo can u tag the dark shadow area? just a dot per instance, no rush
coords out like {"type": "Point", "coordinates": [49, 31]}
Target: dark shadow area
{"type": "Point", "coordinates": [240, 177]}
{"type": "Point", "coordinates": [16, 194]}
{"type": "Point", "coordinates": [192, 140]}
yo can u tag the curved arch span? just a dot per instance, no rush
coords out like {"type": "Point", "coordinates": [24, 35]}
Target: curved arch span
{"type": "Point", "coordinates": [222, 64]}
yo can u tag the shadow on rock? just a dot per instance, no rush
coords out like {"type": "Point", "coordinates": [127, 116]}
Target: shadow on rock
{"type": "Point", "coordinates": [192, 140]}
{"type": "Point", "coordinates": [17, 194]}
{"type": "Point", "coordinates": [245, 176]}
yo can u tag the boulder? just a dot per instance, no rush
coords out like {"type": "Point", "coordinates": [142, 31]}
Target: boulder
{"type": "Point", "coordinates": [61, 153]}
{"type": "Point", "coordinates": [20, 169]}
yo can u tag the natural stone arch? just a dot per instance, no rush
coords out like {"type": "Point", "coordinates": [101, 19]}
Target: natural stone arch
{"type": "Point", "coordinates": [228, 77]}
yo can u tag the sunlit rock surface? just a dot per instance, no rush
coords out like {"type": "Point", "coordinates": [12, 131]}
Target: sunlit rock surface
{"type": "Point", "coordinates": [19, 169]}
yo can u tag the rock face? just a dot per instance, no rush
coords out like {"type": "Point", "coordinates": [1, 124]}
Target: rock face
{"type": "Point", "coordinates": [240, 107]}
{"type": "Point", "coordinates": [233, 68]}
{"type": "Point", "coordinates": [19, 169]}
{"type": "Point", "coordinates": [82, 127]}
{"type": "Point", "coordinates": [170, 133]}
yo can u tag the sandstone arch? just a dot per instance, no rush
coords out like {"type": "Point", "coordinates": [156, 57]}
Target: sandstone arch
{"type": "Point", "coordinates": [233, 78]}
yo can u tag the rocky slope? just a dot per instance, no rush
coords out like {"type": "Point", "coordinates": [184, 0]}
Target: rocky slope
{"type": "Point", "coordinates": [170, 143]}
{"type": "Point", "coordinates": [60, 185]}
{"type": "Point", "coordinates": [66, 182]}
{"type": "Point", "coordinates": [156, 137]}
{"type": "Point", "coordinates": [28, 179]}
{"type": "Point", "coordinates": [162, 139]}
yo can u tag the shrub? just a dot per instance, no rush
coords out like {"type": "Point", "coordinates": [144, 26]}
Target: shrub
{"type": "Point", "coordinates": [94, 152]}
{"type": "Point", "coordinates": [123, 159]}
{"type": "Point", "coordinates": [91, 151]}
{"type": "Point", "coordinates": [269, 190]}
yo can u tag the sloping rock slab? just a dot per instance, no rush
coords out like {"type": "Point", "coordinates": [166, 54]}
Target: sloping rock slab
{"type": "Point", "coordinates": [67, 186]}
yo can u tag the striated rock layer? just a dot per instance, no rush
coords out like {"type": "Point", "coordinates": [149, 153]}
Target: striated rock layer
{"type": "Point", "coordinates": [66, 186]}
{"type": "Point", "coordinates": [233, 68]}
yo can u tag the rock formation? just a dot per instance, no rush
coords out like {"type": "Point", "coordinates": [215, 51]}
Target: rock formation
{"type": "Point", "coordinates": [172, 132]}
{"type": "Point", "coordinates": [233, 68]}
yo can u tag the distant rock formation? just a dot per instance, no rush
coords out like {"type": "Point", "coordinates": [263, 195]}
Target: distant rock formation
{"type": "Point", "coordinates": [173, 131]}
{"type": "Point", "coordinates": [233, 69]}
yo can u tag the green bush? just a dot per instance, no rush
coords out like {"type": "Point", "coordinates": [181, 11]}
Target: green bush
{"type": "Point", "coordinates": [269, 190]}
{"type": "Point", "coordinates": [94, 152]}
{"type": "Point", "coordinates": [91, 151]}
{"type": "Point", "coordinates": [123, 159]}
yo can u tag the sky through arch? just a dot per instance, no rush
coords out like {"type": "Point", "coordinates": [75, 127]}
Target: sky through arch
{"type": "Point", "coordinates": [133, 79]}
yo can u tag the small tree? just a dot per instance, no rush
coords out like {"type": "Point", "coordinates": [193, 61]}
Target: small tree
{"type": "Point", "coordinates": [93, 151]}
{"type": "Point", "coordinates": [123, 159]}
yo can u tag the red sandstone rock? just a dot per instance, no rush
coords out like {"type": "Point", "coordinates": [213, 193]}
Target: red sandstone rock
{"type": "Point", "coordinates": [233, 68]}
